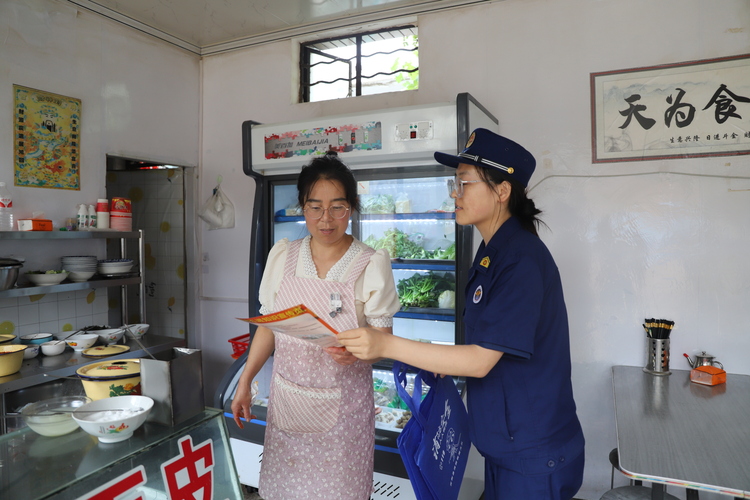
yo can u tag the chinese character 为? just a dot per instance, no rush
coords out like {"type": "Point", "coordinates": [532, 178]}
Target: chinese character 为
{"type": "Point", "coordinates": [724, 106]}
{"type": "Point", "coordinates": [190, 472]}
{"type": "Point", "coordinates": [674, 111]}
{"type": "Point", "coordinates": [635, 111]}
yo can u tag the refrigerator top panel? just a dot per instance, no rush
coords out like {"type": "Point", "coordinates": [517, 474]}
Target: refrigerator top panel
{"type": "Point", "coordinates": [403, 137]}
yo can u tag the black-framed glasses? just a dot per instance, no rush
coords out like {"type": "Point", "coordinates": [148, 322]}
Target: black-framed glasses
{"type": "Point", "coordinates": [335, 211]}
{"type": "Point", "coordinates": [457, 185]}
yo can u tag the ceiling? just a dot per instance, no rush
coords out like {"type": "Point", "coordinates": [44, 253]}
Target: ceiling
{"type": "Point", "coordinates": [211, 26]}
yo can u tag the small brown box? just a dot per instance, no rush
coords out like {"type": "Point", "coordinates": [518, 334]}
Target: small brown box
{"type": "Point", "coordinates": [708, 375]}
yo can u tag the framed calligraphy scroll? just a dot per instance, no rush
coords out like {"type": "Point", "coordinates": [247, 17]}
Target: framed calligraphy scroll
{"type": "Point", "coordinates": [683, 110]}
{"type": "Point", "coordinates": [46, 139]}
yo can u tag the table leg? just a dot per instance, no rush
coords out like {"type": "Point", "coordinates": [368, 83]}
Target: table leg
{"type": "Point", "coordinates": [657, 491]}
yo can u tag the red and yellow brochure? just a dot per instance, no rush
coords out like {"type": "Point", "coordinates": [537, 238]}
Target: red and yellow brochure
{"type": "Point", "coordinates": [299, 322]}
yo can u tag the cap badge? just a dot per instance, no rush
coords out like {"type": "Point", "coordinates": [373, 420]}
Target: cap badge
{"type": "Point", "coordinates": [485, 262]}
{"type": "Point", "coordinates": [471, 140]}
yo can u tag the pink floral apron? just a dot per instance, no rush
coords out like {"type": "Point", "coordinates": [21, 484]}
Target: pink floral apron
{"type": "Point", "coordinates": [319, 441]}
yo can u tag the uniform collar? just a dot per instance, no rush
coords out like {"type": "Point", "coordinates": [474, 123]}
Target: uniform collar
{"type": "Point", "coordinates": [488, 251]}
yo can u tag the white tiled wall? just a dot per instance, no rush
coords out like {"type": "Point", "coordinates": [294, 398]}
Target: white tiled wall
{"type": "Point", "coordinates": [53, 312]}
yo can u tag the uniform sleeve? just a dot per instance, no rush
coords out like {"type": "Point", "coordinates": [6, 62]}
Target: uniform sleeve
{"type": "Point", "coordinates": [510, 313]}
{"type": "Point", "coordinates": [271, 281]}
{"type": "Point", "coordinates": [379, 291]}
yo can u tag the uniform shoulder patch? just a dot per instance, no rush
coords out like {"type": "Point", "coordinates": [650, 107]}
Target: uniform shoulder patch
{"type": "Point", "coordinates": [485, 262]}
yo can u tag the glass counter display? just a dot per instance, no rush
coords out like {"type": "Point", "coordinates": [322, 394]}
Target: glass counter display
{"type": "Point", "coordinates": [190, 460]}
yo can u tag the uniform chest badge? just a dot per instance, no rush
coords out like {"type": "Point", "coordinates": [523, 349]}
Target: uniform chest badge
{"type": "Point", "coordinates": [477, 294]}
{"type": "Point", "coordinates": [485, 262]}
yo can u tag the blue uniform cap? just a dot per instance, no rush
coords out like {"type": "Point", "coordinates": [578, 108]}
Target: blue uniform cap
{"type": "Point", "coordinates": [490, 150]}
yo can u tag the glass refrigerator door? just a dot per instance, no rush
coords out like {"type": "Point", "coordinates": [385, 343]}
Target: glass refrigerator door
{"type": "Point", "coordinates": [414, 219]}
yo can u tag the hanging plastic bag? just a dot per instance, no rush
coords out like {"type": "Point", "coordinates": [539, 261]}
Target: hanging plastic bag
{"type": "Point", "coordinates": [218, 211]}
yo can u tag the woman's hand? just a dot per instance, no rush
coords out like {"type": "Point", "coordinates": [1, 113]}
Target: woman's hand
{"type": "Point", "coordinates": [365, 343]}
{"type": "Point", "coordinates": [340, 355]}
{"type": "Point", "coordinates": [241, 406]}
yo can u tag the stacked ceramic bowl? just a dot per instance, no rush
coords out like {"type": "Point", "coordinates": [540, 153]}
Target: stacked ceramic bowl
{"type": "Point", "coordinates": [80, 267]}
{"type": "Point", "coordinates": [114, 267]}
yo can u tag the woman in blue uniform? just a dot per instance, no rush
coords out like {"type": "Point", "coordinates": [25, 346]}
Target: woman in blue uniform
{"type": "Point", "coordinates": [516, 359]}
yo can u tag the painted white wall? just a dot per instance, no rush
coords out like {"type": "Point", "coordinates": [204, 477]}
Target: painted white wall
{"type": "Point", "coordinates": [667, 242]}
{"type": "Point", "coordinates": [139, 96]}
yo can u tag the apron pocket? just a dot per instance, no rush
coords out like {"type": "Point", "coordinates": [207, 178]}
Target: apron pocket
{"type": "Point", "coordinates": [305, 409]}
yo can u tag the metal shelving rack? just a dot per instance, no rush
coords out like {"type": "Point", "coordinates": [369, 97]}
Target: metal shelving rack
{"type": "Point", "coordinates": [24, 291]}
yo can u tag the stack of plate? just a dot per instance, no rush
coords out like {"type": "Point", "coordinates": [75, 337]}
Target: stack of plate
{"type": "Point", "coordinates": [80, 267]}
{"type": "Point", "coordinates": [114, 267]}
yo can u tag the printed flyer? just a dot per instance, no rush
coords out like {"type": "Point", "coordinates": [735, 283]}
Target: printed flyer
{"type": "Point", "coordinates": [299, 322]}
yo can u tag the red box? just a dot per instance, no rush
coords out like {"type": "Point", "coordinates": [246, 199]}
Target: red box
{"type": "Point", "coordinates": [34, 225]}
{"type": "Point", "coordinates": [708, 375]}
{"type": "Point", "coordinates": [239, 345]}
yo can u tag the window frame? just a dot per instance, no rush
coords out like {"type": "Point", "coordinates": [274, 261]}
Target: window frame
{"type": "Point", "coordinates": [306, 49]}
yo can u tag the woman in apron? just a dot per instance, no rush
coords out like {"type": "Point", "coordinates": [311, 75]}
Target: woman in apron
{"type": "Point", "coordinates": [522, 415]}
{"type": "Point", "coordinates": [319, 440]}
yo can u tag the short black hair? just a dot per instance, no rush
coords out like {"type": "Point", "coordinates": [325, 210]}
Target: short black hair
{"type": "Point", "coordinates": [327, 167]}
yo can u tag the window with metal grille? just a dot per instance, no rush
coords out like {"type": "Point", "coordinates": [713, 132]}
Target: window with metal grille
{"type": "Point", "coordinates": [362, 64]}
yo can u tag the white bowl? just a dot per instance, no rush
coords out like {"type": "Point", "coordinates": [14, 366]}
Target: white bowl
{"type": "Point", "coordinates": [80, 276]}
{"type": "Point", "coordinates": [46, 279]}
{"type": "Point", "coordinates": [110, 336]}
{"type": "Point", "coordinates": [32, 350]}
{"type": "Point", "coordinates": [53, 417]}
{"type": "Point", "coordinates": [81, 341]}
{"type": "Point", "coordinates": [136, 330]}
{"type": "Point", "coordinates": [53, 347]}
{"type": "Point", "coordinates": [113, 419]}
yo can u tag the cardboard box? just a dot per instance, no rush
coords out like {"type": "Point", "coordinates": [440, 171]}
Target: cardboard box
{"type": "Point", "coordinates": [175, 385]}
{"type": "Point", "coordinates": [34, 225]}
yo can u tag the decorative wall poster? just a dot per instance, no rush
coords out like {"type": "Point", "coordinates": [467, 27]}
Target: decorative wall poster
{"type": "Point", "coordinates": [319, 140]}
{"type": "Point", "coordinates": [47, 140]}
{"type": "Point", "coordinates": [691, 109]}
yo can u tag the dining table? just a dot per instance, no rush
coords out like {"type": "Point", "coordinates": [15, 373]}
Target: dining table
{"type": "Point", "coordinates": [671, 431]}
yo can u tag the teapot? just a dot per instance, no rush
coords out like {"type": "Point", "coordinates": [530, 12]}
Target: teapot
{"type": "Point", "coordinates": [703, 359]}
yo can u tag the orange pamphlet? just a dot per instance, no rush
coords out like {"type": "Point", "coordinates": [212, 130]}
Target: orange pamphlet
{"type": "Point", "coordinates": [299, 322]}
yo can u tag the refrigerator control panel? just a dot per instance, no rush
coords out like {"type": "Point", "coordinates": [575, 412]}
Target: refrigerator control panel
{"type": "Point", "coordinates": [414, 131]}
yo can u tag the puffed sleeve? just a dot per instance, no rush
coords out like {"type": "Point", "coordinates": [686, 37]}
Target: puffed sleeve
{"type": "Point", "coordinates": [379, 291]}
{"type": "Point", "coordinates": [271, 281]}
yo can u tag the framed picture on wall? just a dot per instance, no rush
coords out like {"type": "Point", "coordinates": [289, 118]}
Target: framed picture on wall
{"type": "Point", "coordinates": [46, 139]}
{"type": "Point", "coordinates": [682, 110]}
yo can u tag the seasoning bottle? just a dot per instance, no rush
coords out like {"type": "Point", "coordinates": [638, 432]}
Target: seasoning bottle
{"type": "Point", "coordinates": [82, 217]}
{"type": "Point", "coordinates": [102, 213]}
{"type": "Point", "coordinates": [91, 217]}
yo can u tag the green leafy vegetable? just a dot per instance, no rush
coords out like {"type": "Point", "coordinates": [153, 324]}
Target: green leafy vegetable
{"type": "Point", "coordinates": [423, 290]}
{"type": "Point", "coordinates": [400, 246]}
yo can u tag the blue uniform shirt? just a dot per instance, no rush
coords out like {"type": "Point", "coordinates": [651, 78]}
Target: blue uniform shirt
{"type": "Point", "coordinates": [522, 413]}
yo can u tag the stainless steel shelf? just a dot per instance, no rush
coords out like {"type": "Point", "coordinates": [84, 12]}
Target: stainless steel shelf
{"type": "Point", "coordinates": [43, 368]}
{"type": "Point", "coordinates": [25, 291]}
{"type": "Point", "coordinates": [65, 235]}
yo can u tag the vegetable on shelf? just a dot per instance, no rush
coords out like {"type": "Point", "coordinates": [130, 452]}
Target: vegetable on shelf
{"type": "Point", "coordinates": [400, 246]}
{"type": "Point", "coordinates": [424, 290]}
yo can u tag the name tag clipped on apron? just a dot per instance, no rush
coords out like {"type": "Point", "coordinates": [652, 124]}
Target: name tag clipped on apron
{"type": "Point", "coordinates": [336, 304]}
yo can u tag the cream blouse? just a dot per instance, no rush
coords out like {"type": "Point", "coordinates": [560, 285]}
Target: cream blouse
{"type": "Point", "coordinates": [375, 294]}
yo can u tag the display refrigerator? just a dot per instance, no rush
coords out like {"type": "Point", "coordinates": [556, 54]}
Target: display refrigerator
{"type": "Point", "coordinates": [406, 208]}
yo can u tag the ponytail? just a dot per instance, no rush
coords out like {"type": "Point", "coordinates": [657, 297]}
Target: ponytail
{"type": "Point", "coordinates": [520, 206]}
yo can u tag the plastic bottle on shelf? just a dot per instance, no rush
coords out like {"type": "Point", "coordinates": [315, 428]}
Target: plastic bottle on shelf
{"type": "Point", "coordinates": [82, 217]}
{"type": "Point", "coordinates": [6, 209]}
{"type": "Point", "coordinates": [91, 217]}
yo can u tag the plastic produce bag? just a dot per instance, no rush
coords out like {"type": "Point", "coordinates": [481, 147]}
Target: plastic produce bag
{"type": "Point", "coordinates": [218, 211]}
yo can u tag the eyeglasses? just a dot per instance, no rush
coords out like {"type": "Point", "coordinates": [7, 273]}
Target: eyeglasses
{"type": "Point", "coordinates": [335, 211]}
{"type": "Point", "coordinates": [457, 185]}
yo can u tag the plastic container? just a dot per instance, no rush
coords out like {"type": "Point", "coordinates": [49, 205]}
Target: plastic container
{"type": "Point", "coordinates": [6, 209]}
{"type": "Point", "coordinates": [82, 217]}
{"type": "Point", "coordinates": [102, 213]}
{"type": "Point", "coordinates": [239, 345]}
{"type": "Point", "coordinates": [121, 215]}
{"type": "Point", "coordinates": [91, 217]}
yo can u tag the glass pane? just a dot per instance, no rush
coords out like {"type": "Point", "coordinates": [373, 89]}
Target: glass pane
{"type": "Point", "coordinates": [336, 67]}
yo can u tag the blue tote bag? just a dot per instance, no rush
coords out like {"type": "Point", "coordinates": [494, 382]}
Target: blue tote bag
{"type": "Point", "coordinates": [434, 443]}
